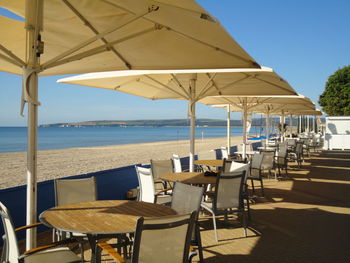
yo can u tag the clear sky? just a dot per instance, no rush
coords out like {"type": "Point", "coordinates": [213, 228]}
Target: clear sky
{"type": "Point", "coordinates": [305, 41]}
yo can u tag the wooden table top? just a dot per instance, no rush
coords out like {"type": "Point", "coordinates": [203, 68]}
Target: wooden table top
{"type": "Point", "coordinates": [247, 152]}
{"type": "Point", "coordinates": [189, 178]}
{"type": "Point", "coordinates": [102, 217]}
{"type": "Point", "coordinates": [217, 163]}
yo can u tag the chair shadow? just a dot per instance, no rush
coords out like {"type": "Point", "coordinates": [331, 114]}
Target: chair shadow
{"type": "Point", "coordinates": [292, 235]}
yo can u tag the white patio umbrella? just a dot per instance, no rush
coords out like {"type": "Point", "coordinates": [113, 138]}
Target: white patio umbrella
{"type": "Point", "coordinates": [67, 37]}
{"type": "Point", "coordinates": [259, 104]}
{"type": "Point", "coordinates": [191, 85]}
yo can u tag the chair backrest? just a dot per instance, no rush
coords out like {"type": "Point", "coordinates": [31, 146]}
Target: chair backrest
{"type": "Point", "coordinates": [177, 163]}
{"type": "Point", "coordinates": [11, 247]}
{"type": "Point", "coordinates": [160, 167]}
{"type": "Point", "coordinates": [282, 150]}
{"type": "Point", "coordinates": [267, 161]}
{"type": "Point", "coordinates": [255, 165]}
{"type": "Point", "coordinates": [232, 166]}
{"type": "Point", "coordinates": [255, 145]}
{"type": "Point", "coordinates": [69, 191]}
{"type": "Point", "coordinates": [146, 184]}
{"type": "Point", "coordinates": [257, 160]}
{"type": "Point", "coordinates": [291, 142]}
{"type": "Point", "coordinates": [161, 237]}
{"type": "Point", "coordinates": [224, 153]}
{"type": "Point", "coordinates": [186, 198]}
{"type": "Point", "coordinates": [228, 191]}
{"type": "Point", "coordinates": [227, 165]}
{"type": "Point", "coordinates": [299, 148]}
{"type": "Point", "coordinates": [233, 149]}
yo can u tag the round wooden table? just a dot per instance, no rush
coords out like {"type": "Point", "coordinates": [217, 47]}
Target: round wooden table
{"type": "Point", "coordinates": [189, 178]}
{"type": "Point", "coordinates": [101, 217]}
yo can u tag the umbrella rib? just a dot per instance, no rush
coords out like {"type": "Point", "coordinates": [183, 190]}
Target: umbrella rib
{"type": "Point", "coordinates": [166, 87]}
{"type": "Point", "coordinates": [12, 57]}
{"type": "Point", "coordinates": [180, 85]}
{"type": "Point", "coordinates": [93, 39]}
{"type": "Point", "coordinates": [96, 50]}
{"type": "Point", "coordinates": [253, 63]}
{"type": "Point", "coordinates": [206, 87]}
{"type": "Point", "coordinates": [276, 85]}
{"type": "Point", "coordinates": [14, 62]}
{"type": "Point", "coordinates": [93, 29]}
{"type": "Point", "coordinates": [246, 76]}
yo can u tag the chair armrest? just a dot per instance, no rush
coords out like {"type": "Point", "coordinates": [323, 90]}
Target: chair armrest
{"type": "Point", "coordinates": [163, 190]}
{"type": "Point", "coordinates": [110, 250]}
{"type": "Point", "coordinates": [28, 226]}
{"type": "Point", "coordinates": [54, 244]}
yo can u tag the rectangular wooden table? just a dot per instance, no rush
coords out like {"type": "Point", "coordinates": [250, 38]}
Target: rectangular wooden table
{"type": "Point", "coordinates": [217, 163]}
{"type": "Point", "coordinates": [189, 178]}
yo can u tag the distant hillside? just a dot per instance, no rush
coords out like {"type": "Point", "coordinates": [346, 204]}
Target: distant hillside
{"type": "Point", "coordinates": [155, 123]}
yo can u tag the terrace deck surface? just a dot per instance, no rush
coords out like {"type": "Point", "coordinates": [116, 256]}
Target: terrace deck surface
{"type": "Point", "coordinates": [305, 218]}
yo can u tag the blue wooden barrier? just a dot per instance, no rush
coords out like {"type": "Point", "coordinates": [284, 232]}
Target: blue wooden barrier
{"type": "Point", "coordinates": [111, 185]}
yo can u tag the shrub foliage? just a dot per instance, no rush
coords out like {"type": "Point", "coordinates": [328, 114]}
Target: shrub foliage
{"type": "Point", "coordinates": [335, 99]}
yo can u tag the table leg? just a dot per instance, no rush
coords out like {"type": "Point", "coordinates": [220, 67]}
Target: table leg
{"type": "Point", "coordinates": [95, 253]}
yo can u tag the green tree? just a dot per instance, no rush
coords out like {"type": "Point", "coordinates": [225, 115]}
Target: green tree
{"type": "Point", "coordinates": [335, 99]}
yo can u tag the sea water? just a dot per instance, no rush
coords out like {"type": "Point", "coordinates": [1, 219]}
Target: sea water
{"type": "Point", "coordinates": [14, 139]}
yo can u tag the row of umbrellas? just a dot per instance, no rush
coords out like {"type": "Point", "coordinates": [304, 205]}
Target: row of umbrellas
{"type": "Point", "coordinates": [148, 42]}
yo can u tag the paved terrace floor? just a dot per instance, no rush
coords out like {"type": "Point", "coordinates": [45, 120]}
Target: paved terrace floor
{"type": "Point", "coordinates": [302, 219]}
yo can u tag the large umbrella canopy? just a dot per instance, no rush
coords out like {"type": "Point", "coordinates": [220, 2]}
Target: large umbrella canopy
{"type": "Point", "coordinates": [191, 85]}
{"type": "Point", "coordinates": [114, 34]}
{"type": "Point", "coordinates": [65, 37]}
{"type": "Point", "coordinates": [267, 105]}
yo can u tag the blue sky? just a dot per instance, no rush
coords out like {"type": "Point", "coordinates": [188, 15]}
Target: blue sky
{"type": "Point", "coordinates": [304, 41]}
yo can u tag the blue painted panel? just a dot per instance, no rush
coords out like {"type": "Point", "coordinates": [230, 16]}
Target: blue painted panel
{"type": "Point", "coordinates": [111, 185]}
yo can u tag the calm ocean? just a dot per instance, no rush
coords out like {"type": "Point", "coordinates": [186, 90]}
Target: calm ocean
{"type": "Point", "coordinates": [14, 139]}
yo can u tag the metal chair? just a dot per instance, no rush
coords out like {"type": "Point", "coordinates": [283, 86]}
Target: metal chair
{"type": "Point", "coordinates": [160, 167]}
{"type": "Point", "coordinates": [228, 198]}
{"type": "Point", "coordinates": [147, 191]}
{"type": "Point", "coordinates": [177, 165]}
{"type": "Point", "coordinates": [69, 191]}
{"type": "Point", "coordinates": [232, 166]}
{"type": "Point", "coordinates": [156, 238]}
{"type": "Point", "coordinates": [281, 160]}
{"type": "Point", "coordinates": [297, 155]}
{"type": "Point", "coordinates": [186, 199]}
{"type": "Point", "coordinates": [268, 162]}
{"type": "Point", "coordinates": [256, 171]}
{"type": "Point", "coordinates": [50, 253]}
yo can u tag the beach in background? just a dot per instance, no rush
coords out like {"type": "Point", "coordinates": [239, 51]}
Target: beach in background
{"type": "Point", "coordinates": [73, 161]}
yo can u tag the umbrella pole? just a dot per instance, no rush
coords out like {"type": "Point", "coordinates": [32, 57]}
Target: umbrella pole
{"type": "Point", "coordinates": [228, 129]}
{"type": "Point", "coordinates": [33, 26]}
{"type": "Point", "coordinates": [192, 109]}
{"type": "Point", "coordinates": [267, 132]}
{"type": "Point", "coordinates": [291, 125]}
{"type": "Point", "coordinates": [282, 126]}
{"type": "Point", "coordinates": [31, 169]}
{"type": "Point", "coordinates": [244, 128]}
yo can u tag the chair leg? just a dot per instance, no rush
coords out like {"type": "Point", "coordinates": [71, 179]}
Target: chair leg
{"type": "Point", "coordinates": [199, 241]}
{"type": "Point", "coordinates": [253, 185]}
{"type": "Point", "coordinates": [248, 209]}
{"type": "Point", "coordinates": [215, 232]}
{"type": "Point", "coordinates": [244, 223]}
{"type": "Point", "coordinates": [262, 187]}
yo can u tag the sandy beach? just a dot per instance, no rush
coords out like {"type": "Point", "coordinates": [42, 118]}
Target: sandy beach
{"type": "Point", "coordinates": [73, 161]}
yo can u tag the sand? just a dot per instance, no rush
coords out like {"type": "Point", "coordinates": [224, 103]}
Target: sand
{"type": "Point", "coordinates": [73, 161]}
